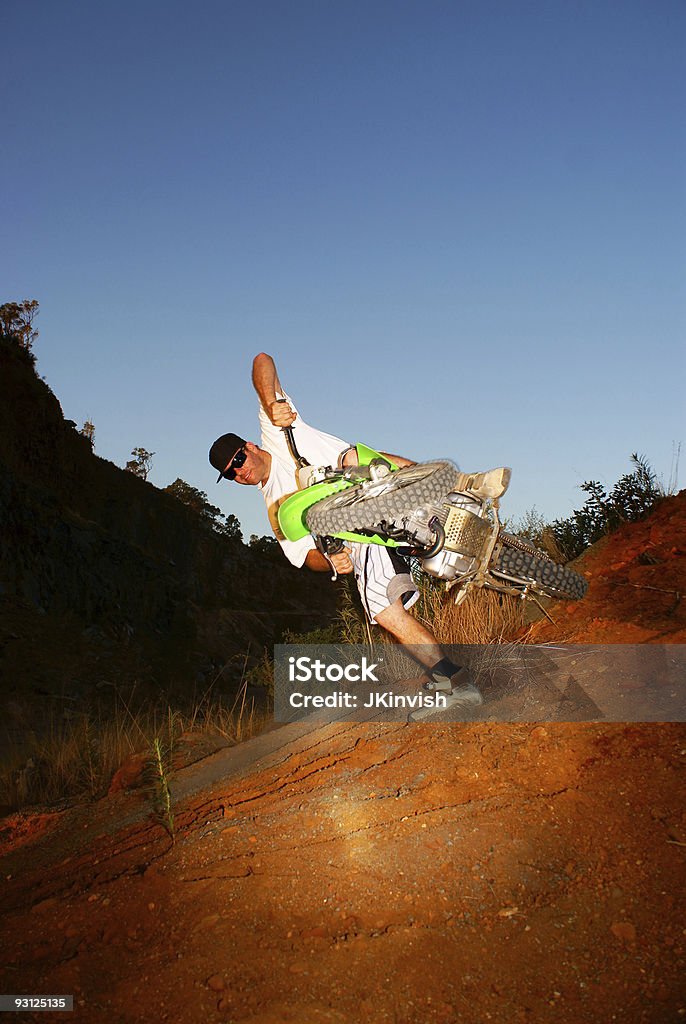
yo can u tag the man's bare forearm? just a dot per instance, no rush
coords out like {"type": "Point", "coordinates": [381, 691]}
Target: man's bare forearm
{"type": "Point", "coordinates": [315, 560]}
{"type": "Point", "coordinates": [350, 459]}
{"type": "Point", "coordinates": [265, 379]}
{"type": "Point", "coordinates": [340, 562]}
{"type": "Point", "coordinates": [267, 385]}
{"type": "Point", "coordinates": [398, 459]}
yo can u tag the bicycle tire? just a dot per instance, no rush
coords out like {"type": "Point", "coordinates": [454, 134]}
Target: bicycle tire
{"type": "Point", "coordinates": [525, 564]}
{"type": "Point", "coordinates": [398, 494]}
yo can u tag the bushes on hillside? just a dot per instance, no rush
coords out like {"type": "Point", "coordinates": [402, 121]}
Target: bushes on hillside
{"type": "Point", "coordinates": [228, 526]}
{"type": "Point", "coordinates": [633, 496]}
{"type": "Point", "coordinates": [16, 321]}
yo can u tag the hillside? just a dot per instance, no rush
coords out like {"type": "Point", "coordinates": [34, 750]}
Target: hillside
{"type": "Point", "coordinates": [397, 874]}
{"type": "Point", "coordinates": [105, 579]}
{"type": "Point", "coordinates": [637, 585]}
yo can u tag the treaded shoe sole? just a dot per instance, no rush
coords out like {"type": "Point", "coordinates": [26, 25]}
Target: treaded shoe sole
{"type": "Point", "coordinates": [465, 697]}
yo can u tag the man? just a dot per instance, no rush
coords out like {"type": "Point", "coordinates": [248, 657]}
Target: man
{"type": "Point", "coordinates": [383, 579]}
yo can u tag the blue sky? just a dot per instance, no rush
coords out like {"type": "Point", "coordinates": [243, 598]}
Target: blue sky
{"type": "Point", "coordinates": [458, 227]}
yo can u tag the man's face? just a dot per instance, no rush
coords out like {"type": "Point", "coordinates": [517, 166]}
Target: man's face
{"type": "Point", "coordinates": [254, 470]}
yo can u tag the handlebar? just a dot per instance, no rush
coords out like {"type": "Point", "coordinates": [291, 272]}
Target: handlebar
{"type": "Point", "coordinates": [299, 459]}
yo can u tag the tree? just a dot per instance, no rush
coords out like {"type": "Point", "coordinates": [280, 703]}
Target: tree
{"type": "Point", "coordinates": [141, 463]}
{"type": "Point", "coordinates": [16, 320]}
{"type": "Point", "coordinates": [231, 527]}
{"type": "Point", "coordinates": [633, 497]}
{"type": "Point", "coordinates": [191, 496]}
{"type": "Point", "coordinates": [228, 526]}
{"type": "Point", "coordinates": [88, 431]}
{"type": "Point", "coordinates": [268, 547]}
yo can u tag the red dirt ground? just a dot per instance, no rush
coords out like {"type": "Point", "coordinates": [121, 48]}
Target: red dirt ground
{"type": "Point", "coordinates": [637, 585]}
{"type": "Point", "coordinates": [386, 873]}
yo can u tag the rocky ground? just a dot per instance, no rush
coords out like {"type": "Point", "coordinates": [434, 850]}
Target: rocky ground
{"type": "Point", "coordinates": [386, 872]}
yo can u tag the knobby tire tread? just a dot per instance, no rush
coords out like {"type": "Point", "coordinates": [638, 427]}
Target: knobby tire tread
{"type": "Point", "coordinates": [336, 513]}
{"type": "Point", "coordinates": [554, 580]}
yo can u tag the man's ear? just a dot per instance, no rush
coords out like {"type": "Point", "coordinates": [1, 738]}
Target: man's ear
{"type": "Point", "coordinates": [251, 447]}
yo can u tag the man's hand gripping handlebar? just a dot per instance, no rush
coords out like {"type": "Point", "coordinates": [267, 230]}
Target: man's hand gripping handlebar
{"type": "Point", "coordinates": [332, 548]}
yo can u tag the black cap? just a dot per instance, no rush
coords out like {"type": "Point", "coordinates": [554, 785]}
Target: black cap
{"type": "Point", "coordinates": [223, 451]}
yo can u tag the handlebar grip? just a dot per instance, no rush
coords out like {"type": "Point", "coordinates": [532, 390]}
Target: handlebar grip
{"type": "Point", "coordinates": [299, 460]}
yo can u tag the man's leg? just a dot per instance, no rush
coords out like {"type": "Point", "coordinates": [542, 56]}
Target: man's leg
{"type": "Point", "coordinates": [387, 590]}
{"type": "Point", "coordinates": [444, 675]}
{"type": "Point", "coordinates": [408, 630]}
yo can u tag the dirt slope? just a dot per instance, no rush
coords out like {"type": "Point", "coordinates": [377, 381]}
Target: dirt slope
{"type": "Point", "coordinates": [637, 585]}
{"type": "Point", "coordinates": [105, 578]}
{"type": "Point", "coordinates": [386, 873]}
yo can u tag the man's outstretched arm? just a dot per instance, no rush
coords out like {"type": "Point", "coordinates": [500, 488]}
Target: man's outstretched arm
{"type": "Point", "coordinates": [266, 383]}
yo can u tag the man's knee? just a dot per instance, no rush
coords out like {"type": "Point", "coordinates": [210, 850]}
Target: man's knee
{"type": "Point", "coordinates": [398, 621]}
{"type": "Point", "coordinates": [406, 628]}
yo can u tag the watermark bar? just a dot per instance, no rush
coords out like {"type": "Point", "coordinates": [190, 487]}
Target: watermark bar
{"type": "Point", "coordinates": [33, 1004]}
{"type": "Point", "coordinates": [516, 682]}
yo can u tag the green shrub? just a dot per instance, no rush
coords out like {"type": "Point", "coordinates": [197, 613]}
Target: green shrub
{"type": "Point", "coordinates": [633, 497]}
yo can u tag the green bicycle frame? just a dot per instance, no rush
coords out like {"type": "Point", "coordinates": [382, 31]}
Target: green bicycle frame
{"type": "Point", "coordinates": [292, 511]}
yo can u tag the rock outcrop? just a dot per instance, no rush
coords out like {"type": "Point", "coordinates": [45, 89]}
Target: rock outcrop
{"type": "Point", "coordinates": [97, 563]}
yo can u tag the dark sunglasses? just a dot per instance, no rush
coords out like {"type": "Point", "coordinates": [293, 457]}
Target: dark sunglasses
{"type": "Point", "coordinates": [236, 462]}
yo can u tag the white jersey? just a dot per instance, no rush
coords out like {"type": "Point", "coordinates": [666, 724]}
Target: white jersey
{"type": "Point", "coordinates": [318, 448]}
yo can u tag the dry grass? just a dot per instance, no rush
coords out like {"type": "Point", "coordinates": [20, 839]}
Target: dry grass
{"type": "Point", "coordinates": [160, 767]}
{"type": "Point", "coordinates": [484, 621]}
{"type": "Point", "coordinates": [352, 621]}
{"type": "Point", "coordinates": [484, 616]}
{"type": "Point", "coordinates": [76, 757]}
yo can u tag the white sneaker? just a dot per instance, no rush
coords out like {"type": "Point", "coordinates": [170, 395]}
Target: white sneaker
{"type": "Point", "coordinates": [458, 689]}
{"type": "Point", "coordinates": [464, 696]}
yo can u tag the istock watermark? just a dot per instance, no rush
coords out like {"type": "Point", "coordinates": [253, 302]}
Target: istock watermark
{"type": "Point", "coordinates": [514, 682]}
{"type": "Point", "coordinates": [349, 679]}
{"type": "Point", "coordinates": [304, 669]}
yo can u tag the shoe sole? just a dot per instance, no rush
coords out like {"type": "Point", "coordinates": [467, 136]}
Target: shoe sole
{"type": "Point", "coordinates": [466, 697]}
{"type": "Point", "coordinates": [466, 700]}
